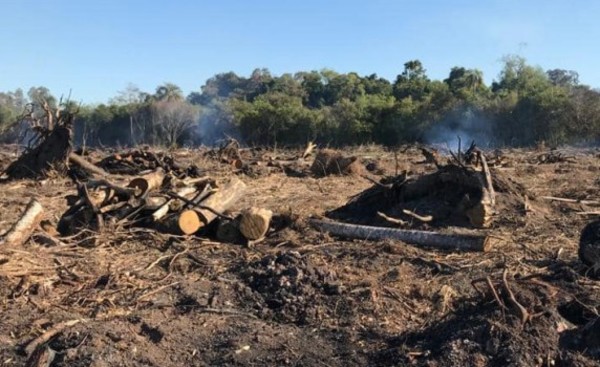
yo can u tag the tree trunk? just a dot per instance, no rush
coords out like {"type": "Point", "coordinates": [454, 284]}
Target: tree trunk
{"type": "Point", "coordinates": [87, 166]}
{"type": "Point", "coordinates": [254, 223]}
{"type": "Point", "coordinates": [185, 223]}
{"type": "Point", "coordinates": [221, 200]}
{"type": "Point", "coordinates": [422, 238]}
{"type": "Point", "coordinates": [20, 232]}
{"type": "Point", "coordinates": [148, 182]}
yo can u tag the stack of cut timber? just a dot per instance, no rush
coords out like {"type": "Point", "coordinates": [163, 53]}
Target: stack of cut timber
{"type": "Point", "coordinates": [180, 207]}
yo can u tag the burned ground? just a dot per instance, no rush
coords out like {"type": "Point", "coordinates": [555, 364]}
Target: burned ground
{"type": "Point", "coordinates": [304, 298]}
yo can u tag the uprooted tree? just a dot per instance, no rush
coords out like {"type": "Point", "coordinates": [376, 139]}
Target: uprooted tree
{"type": "Point", "coordinates": [49, 142]}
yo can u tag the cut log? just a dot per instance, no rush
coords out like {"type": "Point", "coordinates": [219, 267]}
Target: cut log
{"type": "Point", "coordinates": [87, 166]}
{"type": "Point", "coordinates": [172, 204]}
{"type": "Point", "coordinates": [124, 193]}
{"type": "Point", "coordinates": [148, 182]}
{"type": "Point", "coordinates": [221, 200]}
{"type": "Point", "coordinates": [20, 232]}
{"type": "Point", "coordinates": [185, 223]}
{"type": "Point", "coordinates": [443, 241]}
{"type": "Point", "coordinates": [155, 202]}
{"type": "Point", "coordinates": [254, 223]}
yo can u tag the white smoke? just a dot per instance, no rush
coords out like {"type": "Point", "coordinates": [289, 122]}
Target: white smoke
{"type": "Point", "coordinates": [463, 126]}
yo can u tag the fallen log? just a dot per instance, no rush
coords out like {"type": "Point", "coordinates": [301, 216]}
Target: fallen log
{"type": "Point", "coordinates": [148, 182]}
{"type": "Point", "coordinates": [20, 232]}
{"type": "Point", "coordinates": [220, 201]}
{"type": "Point", "coordinates": [187, 222]}
{"type": "Point", "coordinates": [87, 166]}
{"type": "Point", "coordinates": [443, 241]}
{"type": "Point", "coordinates": [160, 212]}
{"type": "Point", "coordinates": [254, 223]}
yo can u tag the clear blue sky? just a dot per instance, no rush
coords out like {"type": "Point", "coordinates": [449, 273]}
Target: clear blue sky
{"type": "Point", "coordinates": [97, 47]}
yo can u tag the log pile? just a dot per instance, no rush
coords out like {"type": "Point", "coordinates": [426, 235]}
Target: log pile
{"type": "Point", "coordinates": [182, 207]}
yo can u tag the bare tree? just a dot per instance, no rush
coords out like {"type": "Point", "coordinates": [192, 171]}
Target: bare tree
{"type": "Point", "coordinates": [173, 120]}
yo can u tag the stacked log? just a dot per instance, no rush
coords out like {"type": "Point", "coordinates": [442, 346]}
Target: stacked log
{"type": "Point", "coordinates": [148, 201]}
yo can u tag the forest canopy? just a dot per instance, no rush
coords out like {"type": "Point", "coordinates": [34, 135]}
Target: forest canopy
{"type": "Point", "coordinates": [524, 106]}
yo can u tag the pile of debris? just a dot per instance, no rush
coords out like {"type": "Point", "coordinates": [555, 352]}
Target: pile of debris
{"type": "Point", "coordinates": [553, 156]}
{"type": "Point", "coordinates": [460, 193]}
{"type": "Point", "coordinates": [136, 161]}
{"type": "Point", "coordinates": [256, 161]}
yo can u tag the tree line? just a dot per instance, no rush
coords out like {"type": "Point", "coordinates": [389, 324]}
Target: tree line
{"type": "Point", "coordinates": [524, 106]}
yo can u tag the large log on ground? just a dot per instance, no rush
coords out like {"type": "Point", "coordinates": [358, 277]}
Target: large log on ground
{"type": "Point", "coordinates": [254, 223]}
{"type": "Point", "coordinates": [148, 182]}
{"type": "Point", "coordinates": [185, 223]}
{"type": "Point", "coordinates": [221, 200]}
{"type": "Point", "coordinates": [20, 232]}
{"type": "Point", "coordinates": [87, 166]}
{"type": "Point", "coordinates": [422, 238]}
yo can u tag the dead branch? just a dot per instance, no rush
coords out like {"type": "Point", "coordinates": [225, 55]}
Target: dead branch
{"type": "Point", "coordinates": [422, 218]}
{"type": "Point", "coordinates": [392, 220]}
{"type": "Point", "coordinates": [49, 334]}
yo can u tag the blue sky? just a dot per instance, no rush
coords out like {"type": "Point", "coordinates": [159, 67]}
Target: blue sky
{"type": "Point", "coordinates": [95, 48]}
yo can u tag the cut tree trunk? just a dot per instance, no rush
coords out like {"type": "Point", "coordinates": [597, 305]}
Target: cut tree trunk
{"type": "Point", "coordinates": [172, 204]}
{"type": "Point", "coordinates": [87, 166]}
{"type": "Point", "coordinates": [422, 238]}
{"type": "Point", "coordinates": [221, 200]}
{"type": "Point", "coordinates": [148, 182]}
{"type": "Point", "coordinates": [254, 223]}
{"type": "Point", "coordinates": [185, 223]}
{"type": "Point", "coordinates": [20, 232]}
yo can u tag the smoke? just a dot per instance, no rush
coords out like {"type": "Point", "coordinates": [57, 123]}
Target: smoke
{"type": "Point", "coordinates": [216, 123]}
{"type": "Point", "coordinates": [467, 124]}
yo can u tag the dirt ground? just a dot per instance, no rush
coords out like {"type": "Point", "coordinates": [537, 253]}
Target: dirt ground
{"type": "Point", "coordinates": [304, 298]}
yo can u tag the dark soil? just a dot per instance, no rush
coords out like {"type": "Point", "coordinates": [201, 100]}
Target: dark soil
{"type": "Point", "coordinates": [303, 298]}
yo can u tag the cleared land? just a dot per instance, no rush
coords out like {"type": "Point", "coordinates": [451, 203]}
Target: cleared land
{"type": "Point", "coordinates": [304, 298]}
